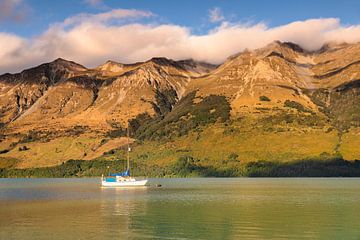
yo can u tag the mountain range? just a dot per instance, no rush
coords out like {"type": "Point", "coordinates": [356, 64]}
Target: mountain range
{"type": "Point", "coordinates": [279, 103]}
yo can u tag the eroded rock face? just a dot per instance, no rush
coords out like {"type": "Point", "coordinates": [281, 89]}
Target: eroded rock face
{"type": "Point", "coordinates": [114, 91]}
{"type": "Point", "coordinates": [281, 72]}
{"type": "Point", "coordinates": [67, 92]}
{"type": "Point", "coordinates": [19, 92]}
{"type": "Point", "coordinates": [64, 93]}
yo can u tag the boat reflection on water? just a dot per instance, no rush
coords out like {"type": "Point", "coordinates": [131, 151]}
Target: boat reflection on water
{"type": "Point", "coordinates": [119, 209]}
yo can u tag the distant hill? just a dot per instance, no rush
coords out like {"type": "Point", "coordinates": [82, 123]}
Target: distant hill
{"type": "Point", "coordinates": [277, 104]}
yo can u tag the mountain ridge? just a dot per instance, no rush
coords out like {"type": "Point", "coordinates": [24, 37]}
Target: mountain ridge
{"type": "Point", "coordinates": [279, 86]}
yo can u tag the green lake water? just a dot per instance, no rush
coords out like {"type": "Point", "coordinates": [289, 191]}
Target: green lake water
{"type": "Point", "coordinates": [197, 208]}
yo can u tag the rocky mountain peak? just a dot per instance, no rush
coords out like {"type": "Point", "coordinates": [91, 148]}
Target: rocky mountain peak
{"type": "Point", "coordinates": [332, 46]}
{"type": "Point", "coordinates": [187, 67]}
{"type": "Point", "coordinates": [197, 66]}
{"type": "Point", "coordinates": [286, 50]}
{"type": "Point", "coordinates": [111, 66]}
{"type": "Point", "coordinates": [289, 45]}
{"type": "Point", "coordinates": [66, 64]}
{"type": "Point", "coordinates": [162, 61]}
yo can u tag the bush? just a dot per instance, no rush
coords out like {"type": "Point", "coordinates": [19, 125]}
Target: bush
{"type": "Point", "coordinates": [23, 148]}
{"type": "Point", "coordinates": [296, 105]}
{"type": "Point", "coordinates": [230, 130]}
{"type": "Point", "coordinates": [264, 99]}
{"type": "Point", "coordinates": [31, 137]}
{"type": "Point", "coordinates": [116, 133]}
{"type": "Point", "coordinates": [233, 157]}
{"type": "Point", "coordinates": [184, 166]}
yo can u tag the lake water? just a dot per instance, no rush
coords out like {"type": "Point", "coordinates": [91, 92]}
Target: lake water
{"type": "Point", "coordinates": [198, 208]}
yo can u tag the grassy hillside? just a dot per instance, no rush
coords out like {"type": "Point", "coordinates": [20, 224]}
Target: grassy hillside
{"type": "Point", "coordinates": [244, 140]}
{"type": "Point", "coordinates": [200, 129]}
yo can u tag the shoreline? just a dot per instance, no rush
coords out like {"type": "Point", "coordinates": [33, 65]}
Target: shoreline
{"type": "Point", "coordinates": [188, 167]}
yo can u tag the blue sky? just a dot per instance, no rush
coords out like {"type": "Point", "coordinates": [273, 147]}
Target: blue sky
{"type": "Point", "coordinates": [190, 13]}
{"type": "Point", "coordinates": [93, 31]}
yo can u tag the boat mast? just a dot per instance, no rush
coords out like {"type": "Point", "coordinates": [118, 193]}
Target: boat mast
{"type": "Point", "coordinates": [128, 147]}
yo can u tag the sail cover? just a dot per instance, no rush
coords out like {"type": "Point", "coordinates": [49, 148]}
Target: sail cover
{"type": "Point", "coordinates": [123, 174]}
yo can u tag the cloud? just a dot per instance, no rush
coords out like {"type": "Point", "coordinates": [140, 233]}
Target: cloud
{"type": "Point", "coordinates": [13, 10]}
{"type": "Point", "coordinates": [91, 39]}
{"type": "Point", "coordinates": [215, 15]}
{"type": "Point", "coordinates": [94, 3]}
{"type": "Point", "coordinates": [114, 14]}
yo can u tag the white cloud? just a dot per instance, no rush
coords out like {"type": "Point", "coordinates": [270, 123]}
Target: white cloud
{"type": "Point", "coordinates": [215, 15]}
{"type": "Point", "coordinates": [93, 39]}
{"type": "Point", "coordinates": [114, 14]}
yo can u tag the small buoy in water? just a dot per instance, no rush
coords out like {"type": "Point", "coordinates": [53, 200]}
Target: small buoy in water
{"type": "Point", "coordinates": [158, 185]}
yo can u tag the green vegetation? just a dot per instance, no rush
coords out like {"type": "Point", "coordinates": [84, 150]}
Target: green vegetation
{"type": "Point", "coordinates": [335, 167]}
{"type": "Point", "coordinates": [31, 137]}
{"type": "Point", "coordinates": [343, 108]}
{"type": "Point", "coordinates": [264, 99]}
{"type": "Point", "coordinates": [221, 147]}
{"type": "Point", "coordinates": [71, 168]}
{"type": "Point", "coordinates": [7, 163]}
{"type": "Point", "coordinates": [300, 119]}
{"type": "Point", "coordinates": [120, 132]}
{"type": "Point", "coordinates": [233, 157]}
{"type": "Point", "coordinates": [165, 100]}
{"type": "Point", "coordinates": [296, 105]}
{"type": "Point", "coordinates": [46, 136]}
{"type": "Point", "coordinates": [187, 166]}
{"type": "Point", "coordinates": [185, 116]}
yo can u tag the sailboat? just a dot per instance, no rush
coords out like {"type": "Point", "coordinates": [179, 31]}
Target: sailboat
{"type": "Point", "coordinates": [123, 179]}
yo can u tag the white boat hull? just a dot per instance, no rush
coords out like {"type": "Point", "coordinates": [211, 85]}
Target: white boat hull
{"type": "Point", "coordinates": [126, 183]}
